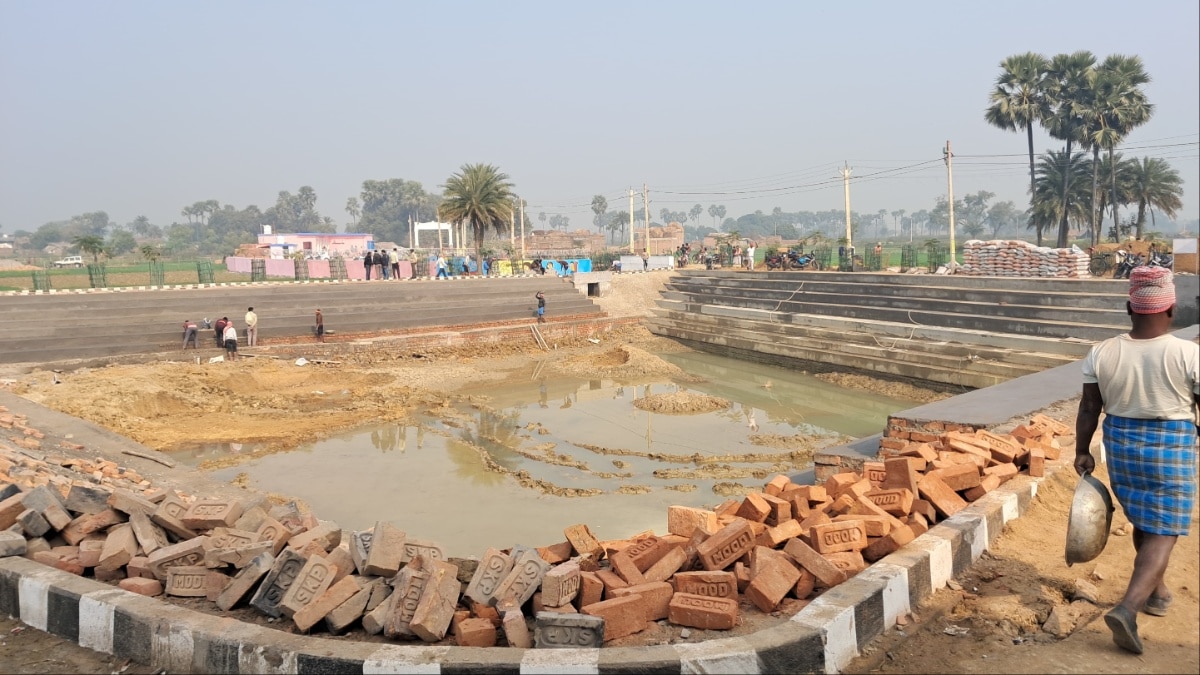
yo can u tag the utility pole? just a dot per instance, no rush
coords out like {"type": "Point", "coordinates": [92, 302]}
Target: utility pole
{"type": "Point", "coordinates": [646, 214]}
{"type": "Point", "coordinates": [412, 228]}
{"type": "Point", "coordinates": [439, 219]}
{"type": "Point", "coordinates": [522, 200]}
{"type": "Point", "coordinates": [512, 228]}
{"type": "Point", "coordinates": [949, 158]}
{"type": "Point", "coordinates": [846, 188]}
{"type": "Point", "coordinates": [632, 251]}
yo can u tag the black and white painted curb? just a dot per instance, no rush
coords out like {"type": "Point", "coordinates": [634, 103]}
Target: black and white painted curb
{"type": "Point", "coordinates": [823, 637]}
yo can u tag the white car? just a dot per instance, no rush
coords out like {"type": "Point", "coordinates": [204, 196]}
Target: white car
{"type": "Point", "coordinates": [69, 261]}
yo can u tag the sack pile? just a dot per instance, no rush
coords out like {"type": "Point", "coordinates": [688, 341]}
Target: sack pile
{"type": "Point", "coordinates": [1022, 259]}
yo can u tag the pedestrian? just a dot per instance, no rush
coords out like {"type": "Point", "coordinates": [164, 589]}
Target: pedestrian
{"type": "Point", "coordinates": [320, 327]}
{"type": "Point", "coordinates": [645, 261]}
{"type": "Point", "coordinates": [368, 261]}
{"type": "Point", "coordinates": [541, 310]}
{"type": "Point", "coordinates": [191, 334]}
{"type": "Point", "coordinates": [750, 252]}
{"type": "Point", "coordinates": [251, 327]}
{"type": "Point", "coordinates": [1147, 383]}
{"type": "Point", "coordinates": [382, 262]}
{"type": "Point", "coordinates": [230, 336]}
{"type": "Point", "coordinates": [441, 267]}
{"type": "Point", "coordinates": [394, 259]}
{"type": "Point", "coordinates": [219, 331]}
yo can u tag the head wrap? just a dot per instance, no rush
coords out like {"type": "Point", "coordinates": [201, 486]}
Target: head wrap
{"type": "Point", "coordinates": [1151, 290]}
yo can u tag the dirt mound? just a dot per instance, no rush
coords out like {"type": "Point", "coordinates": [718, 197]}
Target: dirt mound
{"type": "Point", "coordinates": [619, 363]}
{"type": "Point", "coordinates": [681, 403]}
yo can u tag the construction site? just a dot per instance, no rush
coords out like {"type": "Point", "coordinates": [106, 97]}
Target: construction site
{"type": "Point", "coordinates": [678, 471]}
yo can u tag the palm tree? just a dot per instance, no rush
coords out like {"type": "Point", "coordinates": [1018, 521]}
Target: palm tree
{"type": "Point", "coordinates": [1128, 75]}
{"type": "Point", "coordinates": [90, 244]}
{"type": "Point", "coordinates": [481, 195]}
{"type": "Point", "coordinates": [1121, 180]}
{"type": "Point", "coordinates": [1047, 209]}
{"type": "Point", "coordinates": [1154, 184]}
{"type": "Point", "coordinates": [1071, 78]}
{"type": "Point", "coordinates": [599, 207]}
{"type": "Point", "coordinates": [1019, 99]}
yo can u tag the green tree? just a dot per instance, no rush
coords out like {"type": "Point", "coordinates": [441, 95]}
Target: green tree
{"type": "Point", "coordinates": [542, 219]}
{"type": "Point", "coordinates": [1118, 106]}
{"type": "Point", "coordinates": [150, 252]}
{"type": "Point", "coordinates": [1154, 185]}
{"type": "Point", "coordinates": [599, 207]}
{"type": "Point", "coordinates": [481, 195]}
{"type": "Point", "coordinates": [1019, 99]}
{"type": "Point", "coordinates": [1001, 216]}
{"type": "Point", "coordinates": [617, 223]}
{"type": "Point", "coordinates": [89, 244]}
{"type": "Point", "coordinates": [1071, 79]}
{"type": "Point", "coordinates": [695, 212]}
{"type": "Point", "coordinates": [1048, 205]}
{"type": "Point", "coordinates": [354, 209]}
{"type": "Point", "coordinates": [120, 242]}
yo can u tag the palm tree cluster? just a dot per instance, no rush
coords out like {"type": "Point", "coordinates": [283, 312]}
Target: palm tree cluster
{"type": "Point", "coordinates": [481, 196]}
{"type": "Point", "coordinates": [1088, 105]}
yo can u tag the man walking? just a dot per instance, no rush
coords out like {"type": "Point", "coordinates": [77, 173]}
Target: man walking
{"type": "Point", "coordinates": [320, 327]}
{"type": "Point", "coordinates": [1147, 382]}
{"type": "Point", "coordinates": [251, 327]}
{"type": "Point", "coordinates": [541, 311]}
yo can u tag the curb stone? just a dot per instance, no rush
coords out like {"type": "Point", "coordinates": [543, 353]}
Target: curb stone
{"type": "Point", "coordinates": [822, 637]}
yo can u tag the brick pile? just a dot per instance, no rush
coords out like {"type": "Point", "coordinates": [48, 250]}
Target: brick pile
{"type": "Point", "coordinates": [1022, 259]}
{"type": "Point", "coordinates": [94, 518]}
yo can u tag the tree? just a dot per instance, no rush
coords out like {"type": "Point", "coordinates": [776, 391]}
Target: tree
{"type": "Point", "coordinates": [1071, 78]}
{"type": "Point", "coordinates": [1154, 185]}
{"type": "Point", "coordinates": [695, 212]}
{"type": "Point", "coordinates": [542, 219]}
{"type": "Point", "coordinates": [1049, 209]}
{"type": "Point", "coordinates": [1118, 106]}
{"type": "Point", "coordinates": [89, 244]}
{"type": "Point", "coordinates": [481, 195]}
{"type": "Point", "coordinates": [599, 207]}
{"type": "Point", "coordinates": [1000, 216]}
{"type": "Point", "coordinates": [974, 212]}
{"type": "Point", "coordinates": [897, 215]}
{"type": "Point", "coordinates": [354, 209]}
{"type": "Point", "coordinates": [120, 242]}
{"type": "Point", "coordinates": [1019, 99]}
{"type": "Point", "coordinates": [150, 252]}
{"type": "Point", "coordinates": [618, 222]}
{"type": "Point", "coordinates": [712, 211]}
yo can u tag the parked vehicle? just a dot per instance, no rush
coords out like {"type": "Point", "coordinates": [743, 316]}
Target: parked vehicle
{"type": "Point", "coordinates": [69, 261]}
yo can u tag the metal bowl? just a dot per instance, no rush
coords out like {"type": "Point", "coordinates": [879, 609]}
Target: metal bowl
{"type": "Point", "coordinates": [1090, 520]}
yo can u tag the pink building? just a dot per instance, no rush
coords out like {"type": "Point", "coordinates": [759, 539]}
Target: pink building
{"type": "Point", "coordinates": [316, 244]}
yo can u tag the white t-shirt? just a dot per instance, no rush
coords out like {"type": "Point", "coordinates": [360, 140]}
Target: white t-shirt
{"type": "Point", "coordinates": [1146, 379]}
{"type": "Point", "coordinates": [230, 333]}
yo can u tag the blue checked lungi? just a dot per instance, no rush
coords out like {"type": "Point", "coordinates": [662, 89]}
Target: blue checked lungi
{"type": "Point", "coordinates": [1152, 465]}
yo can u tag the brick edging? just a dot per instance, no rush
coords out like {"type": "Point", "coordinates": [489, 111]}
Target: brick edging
{"type": "Point", "coordinates": [822, 637]}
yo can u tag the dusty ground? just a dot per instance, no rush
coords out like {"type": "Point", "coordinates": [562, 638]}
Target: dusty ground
{"type": "Point", "coordinates": [991, 624]}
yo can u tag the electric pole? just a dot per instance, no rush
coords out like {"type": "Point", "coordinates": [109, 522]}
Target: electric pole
{"type": "Point", "coordinates": [949, 158]}
{"type": "Point", "coordinates": [522, 201]}
{"type": "Point", "coordinates": [512, 228]}
{"type": "Point", "coordinates": [646, 215]}
{"type": "Point", "coordinates": [846, 187]}
{"type": "Point", "coordinates": [632, 251]}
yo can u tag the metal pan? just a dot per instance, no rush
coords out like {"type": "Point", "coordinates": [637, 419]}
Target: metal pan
{"type": "Point", "coordinates": [1090, 520]}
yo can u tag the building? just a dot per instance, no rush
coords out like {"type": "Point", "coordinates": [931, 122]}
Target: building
{"type": "Point", "coordinates": [316, 244]}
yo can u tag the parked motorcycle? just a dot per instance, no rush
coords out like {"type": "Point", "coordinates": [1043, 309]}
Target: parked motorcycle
{"type": "Point", "coordinates": [1161, 260]}
{"type": "Point", "coordinates": [1127, 264]}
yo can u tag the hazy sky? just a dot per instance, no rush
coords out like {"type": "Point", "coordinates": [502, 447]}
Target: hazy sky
{"type": "Point", "coordinates": [145, 107]}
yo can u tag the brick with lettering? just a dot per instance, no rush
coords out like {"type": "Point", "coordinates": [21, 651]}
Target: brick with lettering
{"type": "Point", "coordinates": [848, 535]}
{"type": "Point", "coordinates": [185, 553]}
{"type": "Point", "coordinates": [284, 569]}
{"type": "Point", "coordinates": [422, 547]}
{"type": "Point", "coordinates": [491, 571]}
{"type": "Point", "coordinates": [560, 584]}
{"type": "Point", "coordinates": [326, 533]}
{"type": "Point", "coordinates": [718, 584]}
{"type": "Point", "coordinates": [622, 616]}
{"type": "Point", "coordinates": [409, 584]}
{"type": "Point", "coordinates": [386, 551]}
{"type": "Point", "coordinates": [566, 631]}
{"type": "Point", "coordinates": [825, 572]}
{"type": "Point", "coordinates": [244, 580]}
{"type": "Point", "coordinates": [339, 619]}
{"type": "Point", "coordinates": [583, 541]}
{"type": "Point", "coordinates": [186, 581]}
{"type": "Point", "coordinates": [896, 501]}
{"type": "Point", "coordinates": [275, 532]}
{"type": "Point", "coordinates": [523, 579]}
{"type": "Point", "coordinates": [169, 516]}
{"type": "Point", "coordinates": [656, 596]}
{"type": "Point", "coordinates": [206, 514]}
{"type": "Point", "coordinates": [875, 472]}
{"type": "Point", "coordinates": [433, 613]}
{"type": "Point", "coordinates": [308, 616]}
{"type": "Point", "coordinates": [702, 611]}
{"type": "Point", "coordinates": [725, 546]}
{"type": "Point", "coordinates": [311, 581]}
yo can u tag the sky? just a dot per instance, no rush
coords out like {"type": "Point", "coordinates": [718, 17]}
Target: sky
{"type": "Point", "coordinates": [141, 108]}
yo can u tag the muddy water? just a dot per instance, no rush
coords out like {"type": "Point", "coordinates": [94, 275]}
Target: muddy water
{"type": "Point", "coordinates": [496, 469]}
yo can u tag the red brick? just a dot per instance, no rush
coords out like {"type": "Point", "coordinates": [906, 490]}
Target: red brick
{"type": "Point", "coordinates": [701, 611]}
{"type": "Point", "coordinates": [88, 552]}
{"type": "Point", "coordinates": [1001, 471]}
{"type": "Point", "coordinates": [776, 486]}
{"type": "Point", "coordinates": [591, 589]}
{"type": "Point", "coordinates": [805, 585]}
{"type": "Point", "coordinates": [560, 584]}
{"type": "Point", "coordinates": [209, 513]}
{"type": "Point", "coordinates": [214, 584]}
{"type": "Point", "coordinates": [139, 567]}
{"type": "Point", "coordinates": [311, 581]}
{"type": "Point", "coordinates": [476, 633]}
{"type": "Point", "coordinates": [873, 525]}
{"type": "Point", "coordinates": [771, 578]}
{"type": "Point", "coordinates": [683, 520]}
{"type": "Point", "coordinates": [728, 544]}
{"type": "Point", "coordinates": [625, 568]}
{"type": "Point", "coordinates": [326, 535]}
{"type": "Point", "coordinates": [842, 504]}
{"type": "Point", "coordinates": [754, 508]}
{"type": "Point", "coordinates": [826, 572]}
{"type": "Point", "coordinates": [741, 572]}
{"type": "Point", "coordinates": [646, 552]}
{"type": "Point", "coordinates": [671, 563]}
{"type": "Point", "coordinates": [866, 507]}
{"type": "Point", "coordinates": [781, 510]}
{"type": "Point", "coordinates": [986, 484]}
{"type": "Point", "coordinates": [815, 518]}
{"type": "Point", "coordinates": [945, 500]}
{"type": "Point", "coordinates": [923, 451]}
{"type": "Point", "coordinates": [835, 484]}
{"type": "Point", "coordinates": [1037, 462]}
{"type": "Point", "coordinates": [142, 586]}
{"type": "Point", "coordinates": [774, 537]}
{"type": "Point", "coordinates": [897, 501]}
{"type": "Point", "coordinates": [710, 584]}
{"type": "Point", "coordinates": [328, 601]}
{"type": "Point", "coordinates": [516, 630]}
{"type": "Point", "coordinates": [889, 544]}
{"type": "Point", "coordinates": [387, 548]}
{"type": "Point", "coordinates": [611, 580]}
{"type": "Point", "coordinates": [433, 613]}
{"type": "Point", "coordinates": [556, 553]}
{"type": "Point", "coordinates": [583, 541]}
{"type": "Point", "coordinates": [727, 507]}
{"type": "Point", "coordinates": [622, 616]}
{"type": "Point", "coordinates": [849, 535]}
{"type": "Point", "coordinates": [958, 477]}
{"type": "Point", "coordinates": [119, 548]}
{"type": "Point", "coordinates": [799, 503]}
{"type": "Point", "coordinates": [656, 595]}
{"type": "Point", "coordinates": [849, 562]}
{"type": "Point", "coordinates": [875, 472]}
{"type": "Point", "coordinates": [187, 581]}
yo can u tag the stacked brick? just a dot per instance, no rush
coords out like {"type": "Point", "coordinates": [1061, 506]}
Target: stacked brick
{"type": "Point", "coordinates": [771, 550]}
{"type": "Point", "coordinates": [1022, 259]}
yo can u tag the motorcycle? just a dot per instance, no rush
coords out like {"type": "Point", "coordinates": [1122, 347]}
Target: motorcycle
{"type": "Point", "coordinates": [1161, 260]}
{"type": "Point", "coordinates": [774, 261]}
{"type": "Point", "coordinates": [1127, 264]}
{"type": "Point", "coordinates": [799, 261]}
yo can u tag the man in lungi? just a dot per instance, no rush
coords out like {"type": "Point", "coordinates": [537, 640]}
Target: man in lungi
{"type": "Point", "coordinates": [1147, 382]}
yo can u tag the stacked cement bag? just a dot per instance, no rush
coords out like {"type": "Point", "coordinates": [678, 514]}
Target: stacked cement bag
{"type": "Point", "coordinates": [1022, 259]}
